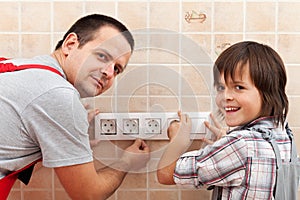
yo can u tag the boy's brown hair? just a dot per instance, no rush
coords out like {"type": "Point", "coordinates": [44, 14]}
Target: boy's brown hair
{"type": "Point", "coordinates": [267, 72]}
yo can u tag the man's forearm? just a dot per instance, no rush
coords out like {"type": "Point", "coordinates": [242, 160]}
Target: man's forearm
{"type": "Point", "coordinates": [112, 176]}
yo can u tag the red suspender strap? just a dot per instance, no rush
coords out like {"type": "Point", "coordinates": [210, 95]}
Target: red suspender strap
{"type": "Point", "coordinates": [8, 181]}
{"type": "Point", "coordinates": [9, 67]}
{"type": "Point", "coordinates": [23, 174]}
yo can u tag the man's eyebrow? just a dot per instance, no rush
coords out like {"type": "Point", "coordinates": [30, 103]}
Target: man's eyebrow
{"type": "Point", "coordinates": [105, 51]}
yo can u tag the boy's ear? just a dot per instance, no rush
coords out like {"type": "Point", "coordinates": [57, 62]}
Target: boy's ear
{"type": "Point", "coordinates": [70, 43]}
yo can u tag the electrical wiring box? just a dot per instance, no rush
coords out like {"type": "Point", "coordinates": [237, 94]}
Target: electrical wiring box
{"type": "Point", "coordinates": [147, 126]}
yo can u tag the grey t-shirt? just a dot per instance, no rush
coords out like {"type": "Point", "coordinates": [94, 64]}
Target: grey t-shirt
{"type": "Point", "coordinates": [41, 117]}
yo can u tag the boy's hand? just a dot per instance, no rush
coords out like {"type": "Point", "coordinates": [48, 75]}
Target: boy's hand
{"type": "Point", "coordinates": [179, 131]}
{"type": "Point", "coordinates": [216, 129]}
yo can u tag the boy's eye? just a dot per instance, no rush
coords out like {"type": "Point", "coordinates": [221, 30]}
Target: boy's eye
{"type": "Point", "coordinates": [220, 88]}
{"type": "Point", "coordinates": [238, 87]}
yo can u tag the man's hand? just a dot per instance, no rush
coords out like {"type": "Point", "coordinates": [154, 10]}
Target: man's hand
{"type": "Point", "coordinates": [137, 155]}
{"type": "Point", "coordinates": [91, 115]}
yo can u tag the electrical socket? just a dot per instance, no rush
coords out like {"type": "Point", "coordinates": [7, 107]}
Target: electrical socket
{"type": "Point", "coordinates": [108, 126]}
{"type": "Point", "coordinates": [130, 126]}
{"type": "Point", "coordinates": [148, 126]}
{"type": "Point", "coordinates": [152, 126]}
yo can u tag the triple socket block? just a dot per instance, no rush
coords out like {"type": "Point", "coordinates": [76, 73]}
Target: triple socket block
{"type": "Point", "coordinates": [147, 126]}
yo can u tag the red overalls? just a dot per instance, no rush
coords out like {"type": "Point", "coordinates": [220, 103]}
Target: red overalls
{"type": "Point", "coordinates": [23, 174]}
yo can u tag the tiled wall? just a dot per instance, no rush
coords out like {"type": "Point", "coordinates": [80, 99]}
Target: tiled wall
{"type": "Point", "coordinates": [170, 69]}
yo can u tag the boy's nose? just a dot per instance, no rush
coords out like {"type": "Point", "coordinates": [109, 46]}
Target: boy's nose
{"type": "Point", "coordinates": [228, 95]}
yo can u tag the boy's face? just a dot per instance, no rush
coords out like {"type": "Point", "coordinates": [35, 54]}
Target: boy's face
{"type": "Point", "coordinates": [93, 67]}
{"type": "Point", "coordinates": [239, 100]}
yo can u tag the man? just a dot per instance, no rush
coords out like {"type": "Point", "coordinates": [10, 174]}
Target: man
{"type": "Point", "coordinates": [42, 116]}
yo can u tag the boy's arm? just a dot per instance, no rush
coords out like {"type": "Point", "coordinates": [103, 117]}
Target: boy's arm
{"type": "Point", "coordinates": [179, 135]}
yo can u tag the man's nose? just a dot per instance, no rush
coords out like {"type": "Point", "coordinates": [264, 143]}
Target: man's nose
{"type": "Point", "coordinates": [108, 70]}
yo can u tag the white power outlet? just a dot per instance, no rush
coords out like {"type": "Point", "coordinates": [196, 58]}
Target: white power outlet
{"type": "Point", "coordinates": [108, 127]}
{"type": "Point", "coordinates": [130, 126]}
{"type": "Point", "coordinates": [148, 126]}
{"type": "Point", "coordinates": [152, 126]}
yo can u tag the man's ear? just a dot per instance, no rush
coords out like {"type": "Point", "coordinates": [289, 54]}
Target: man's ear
{"type": "Point", "coordinates": [70, 43]}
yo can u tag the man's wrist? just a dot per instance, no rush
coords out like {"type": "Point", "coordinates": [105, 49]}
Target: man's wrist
{"type": "Point", "coordinates": [121, 165]}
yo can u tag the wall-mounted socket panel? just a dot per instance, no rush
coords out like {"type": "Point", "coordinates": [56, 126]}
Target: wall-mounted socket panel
{"type": "Point", "coordinates": [147, 126]}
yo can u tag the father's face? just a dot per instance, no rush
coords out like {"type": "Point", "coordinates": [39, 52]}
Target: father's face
{"type": "Point", "coordinates": [95, 65]}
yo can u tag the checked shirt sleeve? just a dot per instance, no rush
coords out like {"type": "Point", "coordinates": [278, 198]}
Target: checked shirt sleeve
{"type": "Point", "coordinates": [222, 163]}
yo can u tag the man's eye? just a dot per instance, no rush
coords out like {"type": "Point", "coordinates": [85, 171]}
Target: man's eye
{"type": "Point", "coordinates": [102, 56]}
{"type": "Point", "coordinates": [118, 69]}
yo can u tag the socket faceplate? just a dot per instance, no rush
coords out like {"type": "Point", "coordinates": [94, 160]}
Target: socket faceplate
{"type": "Point", "coordinates": [147, 126]}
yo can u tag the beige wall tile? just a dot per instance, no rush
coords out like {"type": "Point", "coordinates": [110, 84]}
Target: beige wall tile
{"type": "Point", "coordinates": [141, 47]}
{"type": "Point", "coordinates": [101, 7]}
{"type": "Point", "coordinates": [296, 132]}
{"type": "Point", "coordinates": [193, 82]}
{"type": "Point", "coordinates": [267, 39]}
{"type": "Point", "coordinates": [195, 194]}
{"type": "Point", "coordinates": [36, 44]}
{"type": "Point", "coordinates": [194, 9]}
{"type": "Point", "coordinates": [103, 103]}
{"type": "Point", "coordinates": [164, 104]}
{"type": "Point", "coordinates": [132, 81]}
{"type": "Point", "coordinates": [288, 16]}
{"type": "Point", "coordinates": [164, 80]}
{"type": "Point", "coordinates": [36, 195]}
{"type": "Point", "coordinates": [9, 20]}
{"type": "Point", "coordinates": [61, 194]}
{"type": "Point", "coordinates": [104, 149]}
{"type": "Point", "coordinates": [65, 14]}
{"type": "Point", "coordinates": [196, 104]}
{"type": "Point", "coordinates": [170, 195]}
{"type": "Point", "coordinates": [228, 16]}
{"type": "Point", "coordinates": [31, 15]}
{"type": "Point", "coordinates": [293, 81]}
{"type": "Point", "coordinates": [288, 44]}
{"type": "Point", "coordinates": [260, 16]}
{"type": "Point", "coordinates": [294, 111]}
{"type": "Point", "coordinates": [164, 15]}
{"type": "Point", "coordinates": [132, 195]}
{"type": "Point", "coordinates": [164, 46]}
{"type": "Point", "coordinates": [132, 104]}
{"type": "Point", "coordinates": [163, 56]}
{"type": "Point", "coordinates": [201, 46]}
{"type": "Point", "coordinates": [14, 195]}
{"type": "Point", "coordinates": [10, 45]}
{"type": "Point", "coordinates": [138, 14]}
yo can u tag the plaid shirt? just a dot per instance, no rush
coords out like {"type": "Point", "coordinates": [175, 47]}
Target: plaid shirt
{"type": "Point", "coordinates": [241, 165]}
